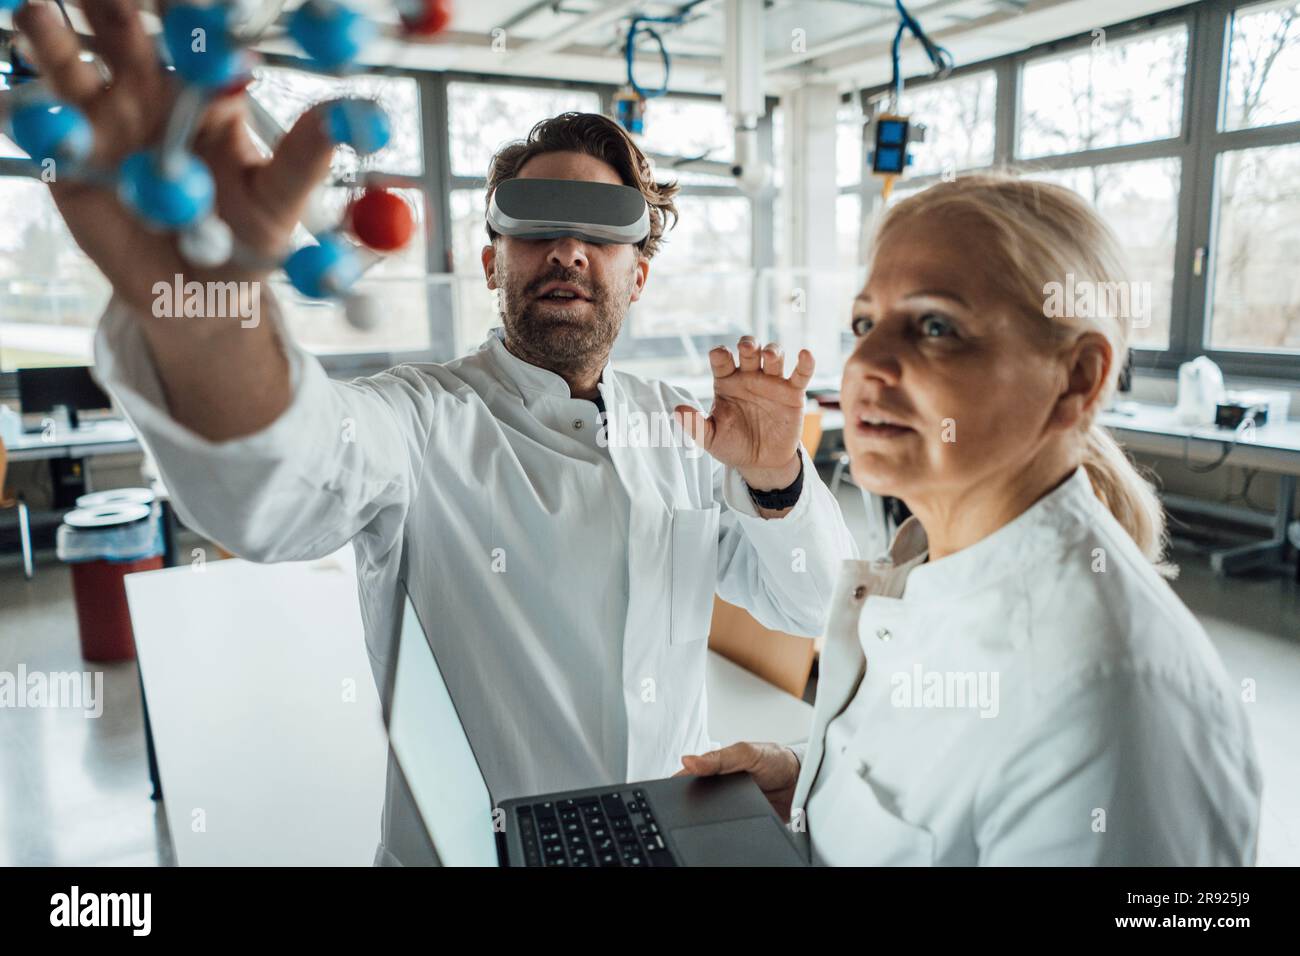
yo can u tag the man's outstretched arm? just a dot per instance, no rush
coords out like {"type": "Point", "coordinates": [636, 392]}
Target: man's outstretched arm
{"type": "Point", "coordinates": [221, 377]}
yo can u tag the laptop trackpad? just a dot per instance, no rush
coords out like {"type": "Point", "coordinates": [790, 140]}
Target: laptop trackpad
{"type": "Point", "coordinates": [754, 841]}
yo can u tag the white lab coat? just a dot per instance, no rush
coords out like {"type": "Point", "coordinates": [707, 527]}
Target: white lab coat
{"type": "Point", "coordinates": [1112, 735]}
{"type": "Point", "coordinates": [481, 481]}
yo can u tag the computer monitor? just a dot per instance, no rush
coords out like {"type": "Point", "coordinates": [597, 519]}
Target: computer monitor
{"type": "Point", "coordinates": [44, 389]}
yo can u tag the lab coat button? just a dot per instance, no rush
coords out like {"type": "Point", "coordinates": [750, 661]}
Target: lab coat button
{"type": "Point", "coordinates": [578, 423]}
{"type": "Point", "coordinates": [883, 633]}
{"type": "Point", "coordinates": [859, 592]}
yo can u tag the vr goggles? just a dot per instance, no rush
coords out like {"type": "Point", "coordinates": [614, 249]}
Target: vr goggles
{"type": "Point", "coordinates": [549, 208]}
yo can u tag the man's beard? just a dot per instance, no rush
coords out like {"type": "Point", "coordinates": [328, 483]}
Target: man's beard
{"type": "Point", "coordinates": [561, 338]}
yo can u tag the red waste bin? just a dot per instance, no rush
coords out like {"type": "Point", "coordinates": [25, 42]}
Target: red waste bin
{"type": "Point", "coordinates": [102, 614]}
{"type": "Point", "coordinates": [104, 543]}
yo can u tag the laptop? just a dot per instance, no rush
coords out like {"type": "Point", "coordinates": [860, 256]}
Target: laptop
{"type": "Point", "coordinates": [680, 821]}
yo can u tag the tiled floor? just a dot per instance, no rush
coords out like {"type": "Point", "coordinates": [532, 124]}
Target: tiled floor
{"type": "Point", "coordinates": [75, 789]}
{"type": "Point", "coordinates": [1255, 624]}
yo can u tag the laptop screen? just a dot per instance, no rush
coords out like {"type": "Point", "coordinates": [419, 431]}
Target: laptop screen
{"type": "Point", "coordinates": [435, 755]}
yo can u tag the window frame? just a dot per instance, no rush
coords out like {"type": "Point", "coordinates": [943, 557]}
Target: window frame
{"type": "Point", "coordinates": [349, 364]}
{"type": "Point", "coordinates": [606, 93]}
{"type": "Point", "coordinates": [1197, 147]}
{"type": "Point", "coordinates": [352, 364]}
{"type": "Point", "coordinates": [1213, 26]}
{"type": "Point", "coordinates": [437, 182]}
{"type": "Point", "coordinates": [762, 206]}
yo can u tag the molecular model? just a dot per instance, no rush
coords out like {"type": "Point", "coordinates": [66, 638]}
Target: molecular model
{"type": "Point", "coordinates": [171, 189]}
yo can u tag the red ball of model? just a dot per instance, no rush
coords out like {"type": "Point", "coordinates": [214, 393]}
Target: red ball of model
{"type": "Point", "coordinates": [425, 17]}
{"type": "Point", "coordinates": [382, 220]}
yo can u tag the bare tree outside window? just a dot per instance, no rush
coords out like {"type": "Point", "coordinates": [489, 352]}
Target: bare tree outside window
{"type": "Point", "coordinates": [1255, 302]}
{"type": "Point", "coordinates": [482, 117]}
{"type": "Point", "coordinates": [1263, 67]}
{"type": "Point", "coordinates": [688, 129]}
{"type": "Point", "coordinates": [286, 94]}
{"type": "Point", "coordinates": [958, 115]}
{"type": "Point", "coordinates": [1108, 94]}
{"type": "Point", "coordinates": [50, 293]}
{"type": "Point", "coordinates": [1139, 200]}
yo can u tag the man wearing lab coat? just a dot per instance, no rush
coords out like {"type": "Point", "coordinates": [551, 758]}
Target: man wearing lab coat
{"type": "Point", "coordinates": [564, 564]}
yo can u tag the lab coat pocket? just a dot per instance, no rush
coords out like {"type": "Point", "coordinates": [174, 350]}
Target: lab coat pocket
{"type": "Point", "coordinates": [694, 572]}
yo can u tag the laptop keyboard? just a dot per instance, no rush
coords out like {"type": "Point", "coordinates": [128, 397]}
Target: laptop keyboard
{"type": "Point", "coordinates": [609, 829]}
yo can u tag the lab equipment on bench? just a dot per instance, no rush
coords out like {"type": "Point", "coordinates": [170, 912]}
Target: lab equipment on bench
{"type": "Point", "coordinates": [1274, 403]}
{"type": "Point", "coordinates": [1200, 389]}
{"type": "Point", "coordinates": [1234, 414]}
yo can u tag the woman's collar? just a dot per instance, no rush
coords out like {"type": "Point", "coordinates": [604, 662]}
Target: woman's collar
{"type": "Point", "coordinates": [1021, 542]}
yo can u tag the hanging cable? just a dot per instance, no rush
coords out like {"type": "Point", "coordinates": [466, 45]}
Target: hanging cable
{"type": "Point", "coordinates": [1249, 475]}
{"type": "Point", "coordinates": [631, 50]}
{"type": "Point", "coordinates": [636, 27]}
{"type": "Point", "coordinates": [1228, 448]}
{"type": "Point", "coordinates": [939, 56]}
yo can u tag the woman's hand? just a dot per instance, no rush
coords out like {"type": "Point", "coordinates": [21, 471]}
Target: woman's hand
{"type": "Point", "coordinates": [774, 768]}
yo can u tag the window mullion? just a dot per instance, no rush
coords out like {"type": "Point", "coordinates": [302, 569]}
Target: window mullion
{"type": "Point", "coordinates": [1006, 112]}
{"type": "Point", "coordinates": [1206, 67]}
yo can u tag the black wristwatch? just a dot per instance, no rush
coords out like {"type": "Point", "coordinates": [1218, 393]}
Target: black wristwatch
{"type": "Point", "coordinates": [781, 498]}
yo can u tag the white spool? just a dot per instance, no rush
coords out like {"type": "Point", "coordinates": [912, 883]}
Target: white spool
{"type": "Point", "coordinates": [319, 215]}
{"type": "Point", "coordinates": [362, 312]}
{"type": "Point", "coordinates": [116, 496]}
{"type": "Point", "coordinates": [207, 244]}
{"type": "Point", "coordinates": [106, 516]}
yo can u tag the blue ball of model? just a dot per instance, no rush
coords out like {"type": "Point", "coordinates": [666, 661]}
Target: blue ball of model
{"type": "Point", "coordinates": [326, 269]}
{"type": "Point", "coordinates": [200, 45]}
{"type": "Point", "coordinates": [46, 129]}
{"type": "Point", "coordinates": [330, 33]}
{"type": "Point", "coordinates": [169, 193]}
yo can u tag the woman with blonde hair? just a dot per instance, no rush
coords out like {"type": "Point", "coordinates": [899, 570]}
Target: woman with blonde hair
{"type": "Point", "coordinates": [1015, 682]}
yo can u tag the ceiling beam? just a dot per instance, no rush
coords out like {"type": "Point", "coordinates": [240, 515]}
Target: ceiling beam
{"type": "Point", "coordinates": [880, 26]}
{"type": "Point", "coordinates": [568, 34]}
{"type": "Point", "coordinates": [979, 39]}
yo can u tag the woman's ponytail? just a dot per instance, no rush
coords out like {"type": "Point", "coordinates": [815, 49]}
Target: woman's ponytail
{"type": "Point", "coordinates": [1127, 494]}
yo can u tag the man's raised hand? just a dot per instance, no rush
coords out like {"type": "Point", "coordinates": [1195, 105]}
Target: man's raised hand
{"type": "Point", "coordinates": [757, 415]}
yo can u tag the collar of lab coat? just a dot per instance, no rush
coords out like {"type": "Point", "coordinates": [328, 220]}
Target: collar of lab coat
{"type": "Point", "coordinates": [1022, 542]}
{"type": "Point", "coordinates": [527, 377]}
